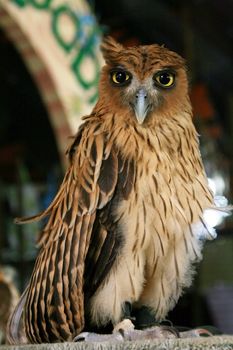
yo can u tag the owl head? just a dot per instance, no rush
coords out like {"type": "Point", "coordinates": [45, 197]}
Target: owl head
{"type": "Point", "coordinates": [143, 82]}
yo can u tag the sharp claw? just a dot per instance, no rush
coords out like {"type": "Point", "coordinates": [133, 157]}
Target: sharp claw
{"type": "Point", "coordinates": [203, 332]}
{"type": "Point", "coordinates": [81, 337]}
{"type": "Point", "coordinates": [193, 333]}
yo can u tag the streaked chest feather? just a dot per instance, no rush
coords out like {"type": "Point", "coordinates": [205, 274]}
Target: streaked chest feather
{"type": "Point", "coordinates": [164, 206]}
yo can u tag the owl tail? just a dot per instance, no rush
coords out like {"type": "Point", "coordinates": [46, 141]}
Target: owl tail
{"type": "Point", "coordinates": [15, 332]}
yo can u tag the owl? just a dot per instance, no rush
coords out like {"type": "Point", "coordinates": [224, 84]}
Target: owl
{"type": "Point", "coordinates": [128, 221]}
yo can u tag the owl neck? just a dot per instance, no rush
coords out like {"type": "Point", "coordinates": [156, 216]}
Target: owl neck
{"type": "Point", "coordinates": [171, 132]}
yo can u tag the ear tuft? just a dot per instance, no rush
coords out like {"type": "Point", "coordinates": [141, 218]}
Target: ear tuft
{"type": "Point", "coordinates": [110, 49]}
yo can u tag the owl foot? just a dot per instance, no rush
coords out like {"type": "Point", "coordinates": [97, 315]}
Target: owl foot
{"type": "Point", "coordinates": [127, 334]}
{"type": "Point", "coordinates": [140, 324]}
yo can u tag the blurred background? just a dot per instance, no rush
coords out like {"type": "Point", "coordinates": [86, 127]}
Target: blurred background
{"type": "Point", "coordinates": [49, 69]}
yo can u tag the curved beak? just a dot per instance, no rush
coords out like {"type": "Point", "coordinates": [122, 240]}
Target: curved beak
{"type": "Point", "coordinates": [141, 105]}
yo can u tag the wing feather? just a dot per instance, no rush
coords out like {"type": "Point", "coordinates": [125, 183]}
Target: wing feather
{"type": "Point", "coordinates": [81, 238]}
{"type": "Point", "coordinates": [54, 307]}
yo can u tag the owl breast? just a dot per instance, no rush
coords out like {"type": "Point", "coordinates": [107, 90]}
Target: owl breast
{"type": "Point", "coordinates": [148, 210]}
{"type": "Point", "coordinates": [158, 224]}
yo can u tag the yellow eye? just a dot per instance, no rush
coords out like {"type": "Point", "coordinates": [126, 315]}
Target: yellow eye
{"type": "Point", "coordinates": [120, 77]}
{"type": "Point", "coordinates": [164, 79]}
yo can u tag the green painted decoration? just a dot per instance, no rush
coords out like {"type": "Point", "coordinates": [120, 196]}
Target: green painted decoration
{"type": "Point", "coordinates": [83, 42]}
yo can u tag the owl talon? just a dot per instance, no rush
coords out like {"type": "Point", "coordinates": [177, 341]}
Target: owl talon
{"type": "Point", "coordinates": [130, 334]}
{"type": "Point", "coordinates": [81, 337]}
{"type": "Point", "coordinates": [197, 332]}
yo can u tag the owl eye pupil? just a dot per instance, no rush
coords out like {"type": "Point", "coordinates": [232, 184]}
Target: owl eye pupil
{"type": "Point", "coordinates": [120, 77]}
{"type": "Point", "coordinates": [165, 78]}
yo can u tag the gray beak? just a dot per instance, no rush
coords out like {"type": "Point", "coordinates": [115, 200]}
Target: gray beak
{"type": "Point", "coordinates": [141, 105]}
